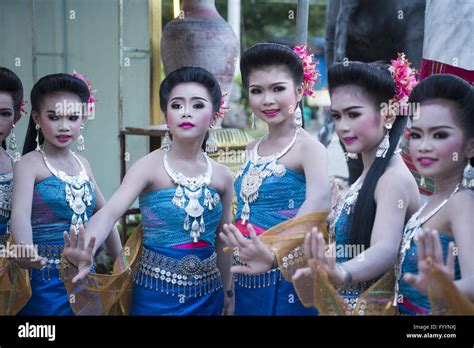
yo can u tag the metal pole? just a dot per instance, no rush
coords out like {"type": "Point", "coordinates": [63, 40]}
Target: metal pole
{"type": "Point", "coordinates": [302, 13]}
{"type": "Point", "coordinates": [120, 81]}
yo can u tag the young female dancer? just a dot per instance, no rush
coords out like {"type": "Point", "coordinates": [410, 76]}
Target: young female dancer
{"type": "Point", "coordinates": [54, 189]}
{"type": "Point", "coordinates": [442, 146]}
{"type": "Point", "coordinates": [285, 175]}
{"type": "Point", "coordinates": [185, 198]}
{"type": "Point", "coordinates": [11, 104]}
{"type": "Point", "coordinates": [368, 221]}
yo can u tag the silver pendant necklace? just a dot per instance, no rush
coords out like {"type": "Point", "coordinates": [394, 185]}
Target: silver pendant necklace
{"type": "Point", "coordinates": [347, 204]}
{"type": "Point", "coordinates": [411, 232]}
{"type": "Point", "coordinates": [192, 188]}
{"type": "Point", "coordinates": [6, 188]}
{"type": "Point", "coordinates": [77, 193]}
{"type": "Point", "coordinates": [260, 168]}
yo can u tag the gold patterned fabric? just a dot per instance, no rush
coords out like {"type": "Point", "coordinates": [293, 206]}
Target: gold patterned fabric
{"type": "Point", "coordinates": [286, 241]}
{"type": "Point", "coordinates": [105, 294]}
{"type": "Point", "coordinates": [445, 297]}
{"type": "Point", "coordinates": [15, 290]}
{"type": "Point", "coordinates": [316, 290]}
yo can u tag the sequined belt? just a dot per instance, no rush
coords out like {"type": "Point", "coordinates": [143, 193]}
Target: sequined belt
{"type": "Point", "coordinates": [351, 293]}
{"type": "Point", "coordinates": [262, 280]}
{"type": "Point", "coordinates": [53, 254]}
{"type": "Point", "coordinates": [189, 276]}
{"type": "Point", "coordinates": [3, 238]}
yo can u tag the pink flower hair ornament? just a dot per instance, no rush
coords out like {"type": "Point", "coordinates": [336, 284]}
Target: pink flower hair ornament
{"type": "Point", "coordinates": [92, 99]}
{"type": "Point", "coordinates": [222, 110]}
{"type": "Point", "coordinates": [311, 73]}
{"type": "Point", "coordinates": [22, 107]}
{"type": "Point", "coordinates": [404, 77]}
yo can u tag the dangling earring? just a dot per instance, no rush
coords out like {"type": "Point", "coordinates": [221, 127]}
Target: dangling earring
{"type": "Point", "coordinates": [422, 181]}
{"type": "Point", "coordinates": [211, 143]}
{"type": "Point", "coordinates": [38, 146]}
{"type": "Point", "coordinates": [166, 143]}
{"type": "Point", "coordinates": [12, 142]}
{"type": "Point", "coordinates": [298, 118]}
{"type": "Point", "coordinates": [254, 125]}
{"type": "Point", "coordinates": [468, 176]}
{"type": "Point", "coordinates": [350, 155]}
{"type": "Point", "coordinates": [80, 141]}
{"type": "Point", "coordinates": [385, 144]}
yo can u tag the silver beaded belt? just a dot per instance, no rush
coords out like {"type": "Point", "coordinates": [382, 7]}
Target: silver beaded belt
{"type": "Point", "coordinates": [261, 280]}
{"type": "Point", "coordinates": [189, 276]}
{"type": "Point", "coordinates": [53, 253]}
{"type": "Point", "coordinates": [3, 238]}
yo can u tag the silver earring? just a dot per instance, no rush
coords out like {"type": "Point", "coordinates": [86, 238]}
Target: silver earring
{"type": "Point", "coordinates": [254, 125]}
{"type": "Point", "coordinates": [422, 181]}
{"type": "Point", "coordinates": [468, 176]}
{"type": "Point", "coordinates": [211, 143]}
{"type": "Point", "coordinates": [350, 155]}
{"type": "Point", "coordinates": [80, 141]}
{"type": "Point", "coordinates": [298, 118]}
{"type": "Point", "coordinates": [12, 142]}
{"type": "Point", "coordinates": [166, 143]}
{"type": "Point", "coordinates": [38, 146]}
{"type": "Point", "coordinates": [385, 144]}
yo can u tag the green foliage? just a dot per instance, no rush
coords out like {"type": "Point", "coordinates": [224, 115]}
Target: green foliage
{"type": "Point", "coordinates": [265, 20]}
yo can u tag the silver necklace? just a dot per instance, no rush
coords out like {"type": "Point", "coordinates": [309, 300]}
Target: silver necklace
{"type": "Point", "coordinates": [411, 232]}
{"type": "Point", "coordinates": [6, 188]}
{"type": "Point", "coordinates": [347, 204]}
{"type": "Point", "coordinates": [193, 190]}
{"type": "Point", "coordinates": [77, 193]}
{"type": "Point", "coordinates": [260, 168]}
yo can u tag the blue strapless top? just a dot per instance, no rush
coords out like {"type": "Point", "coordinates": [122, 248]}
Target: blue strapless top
{"type": "Point", "coordinates": [163, 222]}
{"type": "Point", "coordinates": [410, 265]}
{"type": "Point", "coordinates": [279, 198]}
{"type": "Point", "coordinates": [342, 233]}
{"type": "Point", "coordinates": [5, 200]}
{"type": "Point", "coordinates": [51, 214]}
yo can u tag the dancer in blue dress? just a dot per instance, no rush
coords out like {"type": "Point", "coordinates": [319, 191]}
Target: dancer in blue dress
{"type": "Point", "coordinates": [444, 129]}
{"type": "Point", "coordinates": [365, 226]}
{"type": "Point", "coordinates": [55, 189]}
{"type": "Point", "coordinates": [272, 185]}
{"type": "Point", "coordinates": [185, 198]}
{"type": "Point", "coordinates": [11, 108]}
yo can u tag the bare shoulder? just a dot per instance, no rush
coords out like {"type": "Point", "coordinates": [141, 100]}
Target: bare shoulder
{"type": "Point", "coordinates": [222, 178]}
{"type": "Point", "coordinates": [86, 164]}
{"type": "Point", "coordinates": [308, 142]}
{"type": "Point", "coordinates": [147, 167]}
{"type": "Point", "coordinates": [221, 170]}
{"type": "Point", "coordinates": [397, 179]}
{"type": "Point", "coordinates": [151, 161]}
{"type": "Point", "coordinates": [461, 201]}
{"type": "Point", "coordinates": [30, 161]}
{"type": "Point", "coordinates": [252, 144]}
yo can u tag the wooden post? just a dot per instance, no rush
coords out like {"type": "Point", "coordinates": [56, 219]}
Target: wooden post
{"type": "Point", "coordinates": [155, 27]}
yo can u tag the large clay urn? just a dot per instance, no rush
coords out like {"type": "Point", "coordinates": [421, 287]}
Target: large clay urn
{"type": "Point", "coordinates": [200, 36]}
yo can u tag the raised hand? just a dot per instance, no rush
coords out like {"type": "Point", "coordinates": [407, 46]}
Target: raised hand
{"type": "Point", "coordinates": [255, 255]}
{"type": "Point", "coordinates": [76, 253]}
{"type": "Point", "coordinates": [314, 248]}
{"type": "Point", "coordinates": [430, 254]}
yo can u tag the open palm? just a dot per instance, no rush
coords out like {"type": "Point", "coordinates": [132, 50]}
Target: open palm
{"type": "Point", "coordinates": [77, 253]}
{"type": "Point", "coordinates": [430, 254]}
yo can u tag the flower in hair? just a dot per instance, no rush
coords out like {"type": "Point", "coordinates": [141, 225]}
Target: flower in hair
{"type": "Point", "coordinates": [92, 99]}
{"type": "Point", "coordinates": [222, 109]}
{"type": "Point", "coordinates": [311, 74]}
{"type": "Point", "coordinates": [404, 77]}
{"type": "Point", "coordinates": [22, 107]}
